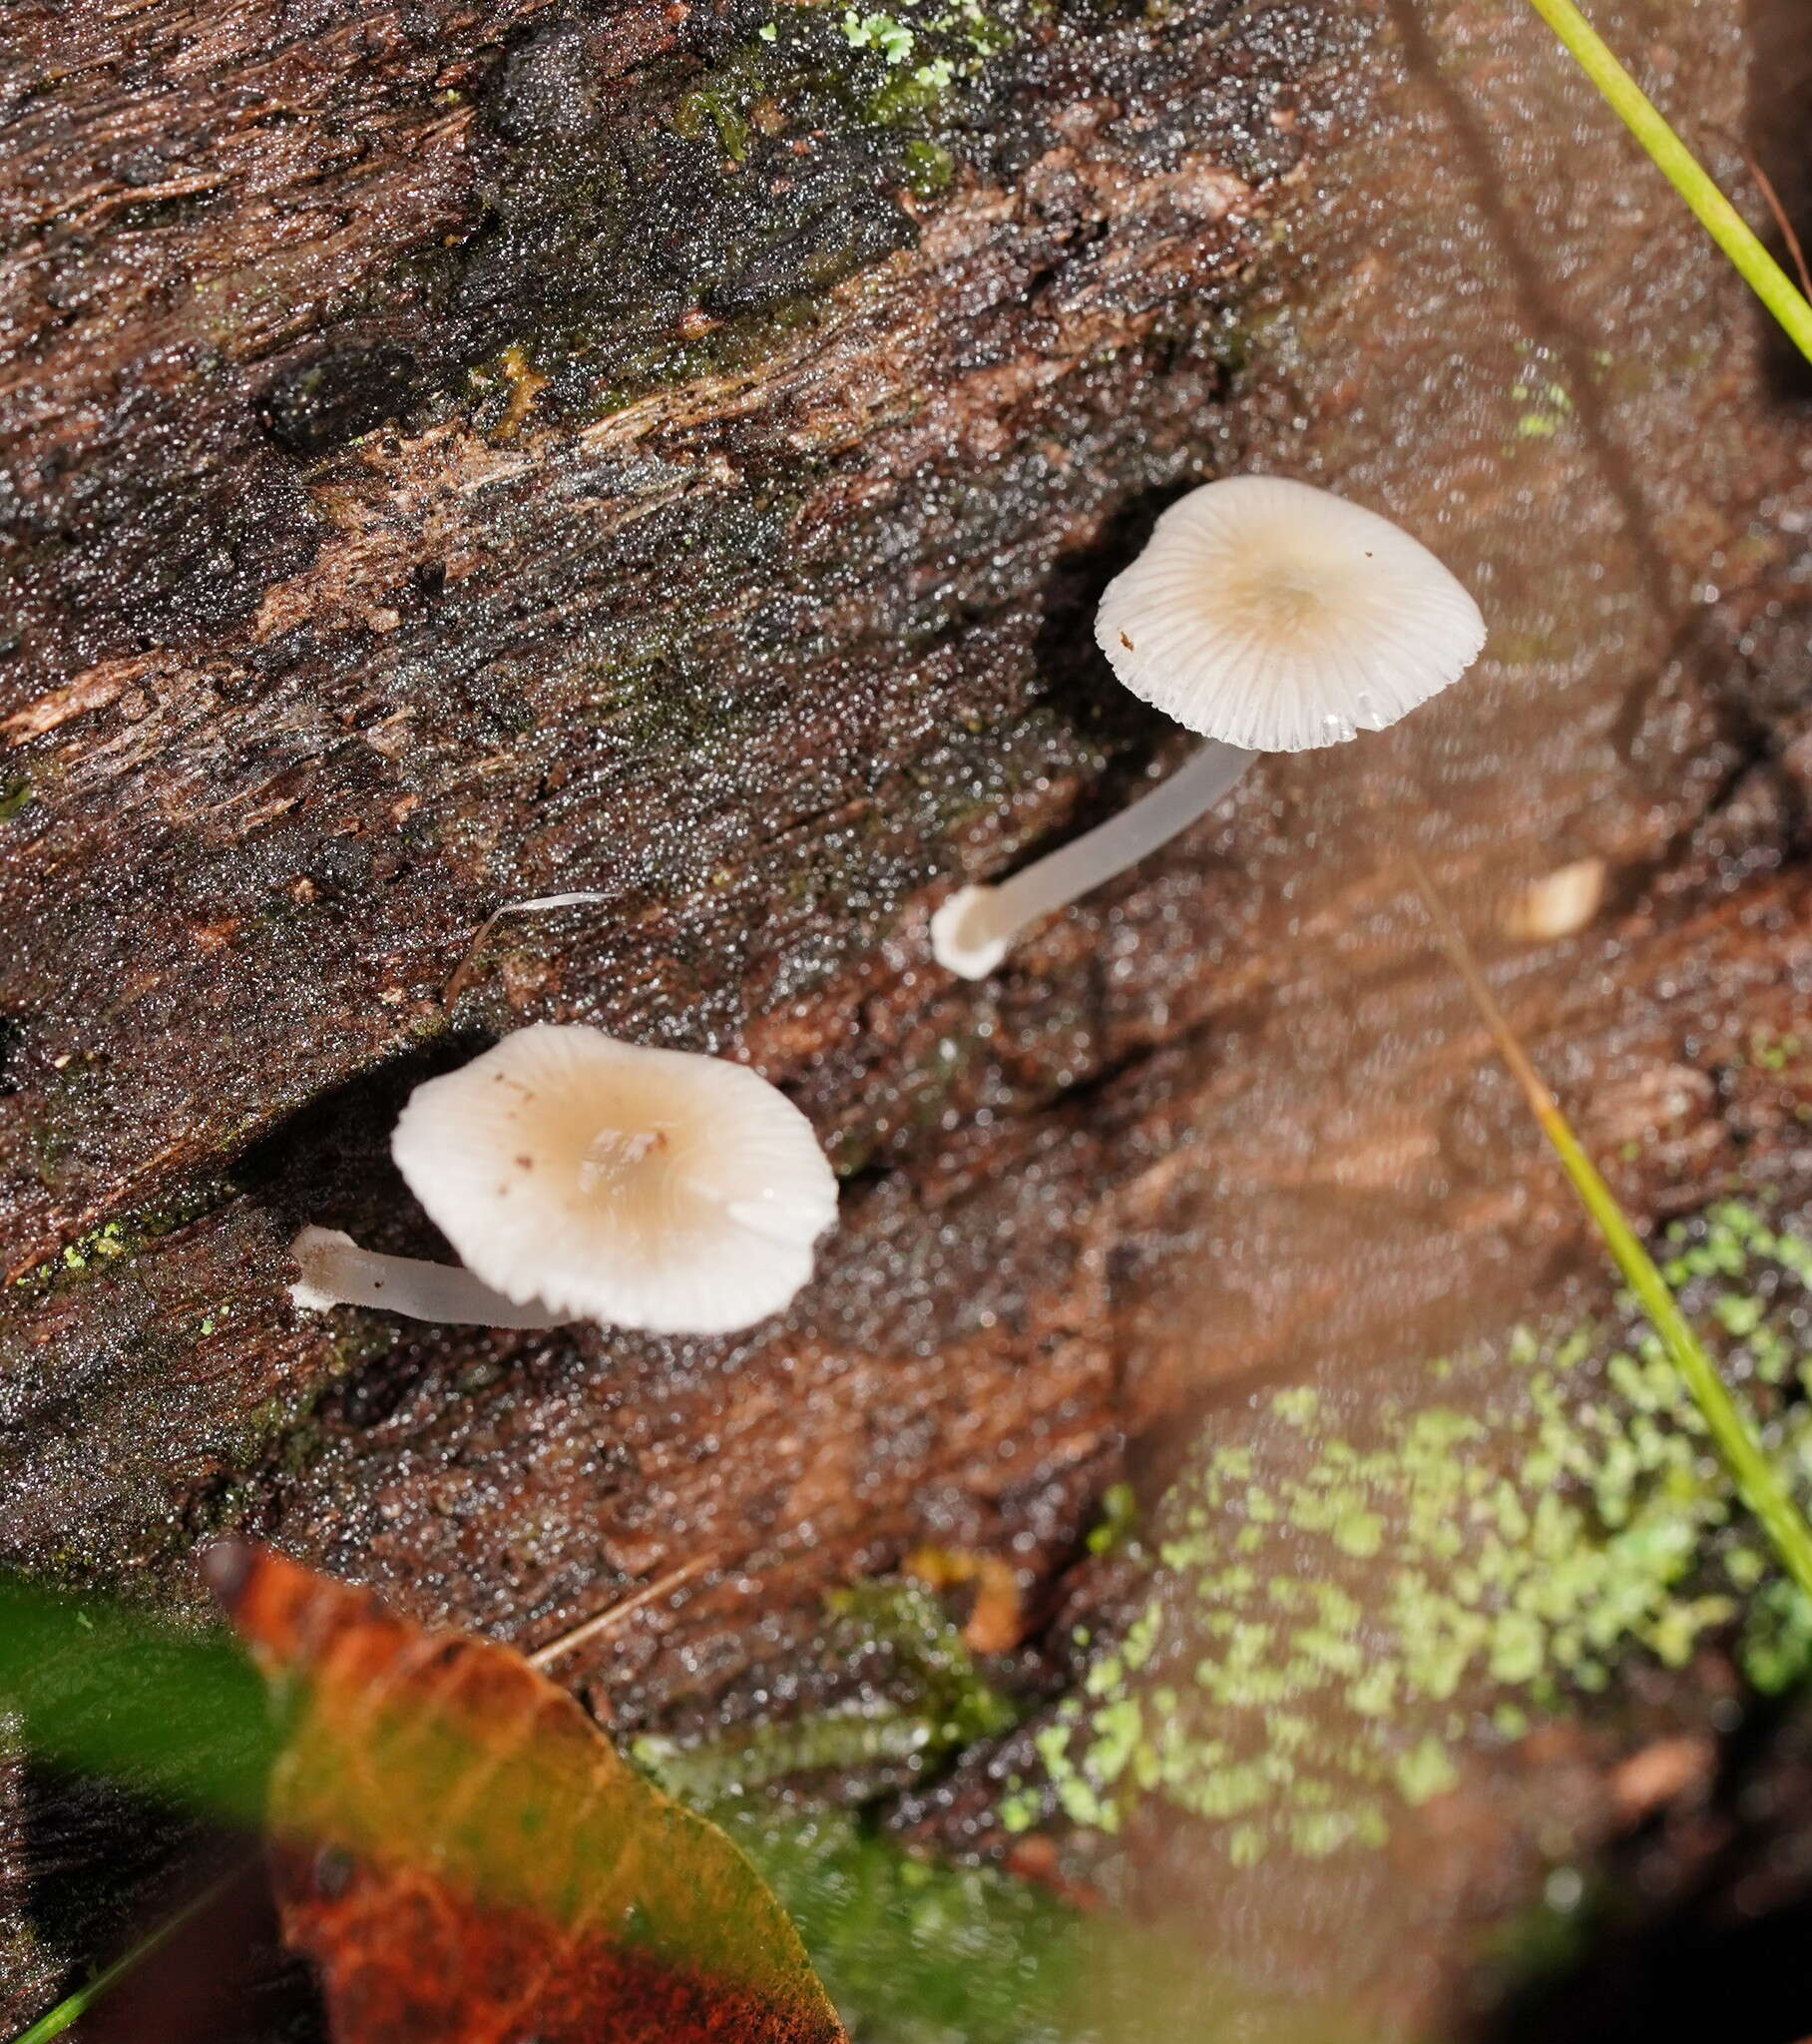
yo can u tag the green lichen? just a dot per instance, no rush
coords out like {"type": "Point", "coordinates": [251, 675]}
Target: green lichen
{"type": "Point", "coordinates": [808, 61]}
{"type": "Point", "coordinates": [716, 108]}
{"type": "Point", "coordinates": [879, 32]}
{"type": "Point", "coordinates": [1343, 1599]}
{"type": "Point", "coordinates": [927, 50]}
{"type": "Point", "coordinates": [1117, 1525]}
{"type": "Point", "coordinates": [915, 1952]}
{"type": "Point", "coordinates": [1769, 1051]}
{"type": "Point", "coordinates": [919, 1698]}
{"type": "Point", "coordinates": [929, 168]}
{"type": "Point", "coordinates": [1548, 405]}
{"type": "Point", "coordinates": [116, 1241]}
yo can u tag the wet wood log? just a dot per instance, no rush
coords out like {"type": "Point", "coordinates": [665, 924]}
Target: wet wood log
{"type": "Point", "coordinates": [481, 453]}
{"type": "Point", "coordinates": [458, 453]}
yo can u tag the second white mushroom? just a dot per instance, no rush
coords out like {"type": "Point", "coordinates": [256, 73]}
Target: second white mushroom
{"type": "Point", "coordinates": [579, 1177]}
{"type": "Point", "coordinates": [1269, 617]}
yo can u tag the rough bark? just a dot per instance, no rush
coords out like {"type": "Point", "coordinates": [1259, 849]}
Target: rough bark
{"type": "Point", "coordinates": [677, 624]}
{"type": "Point", "coordinates": [454, 453]}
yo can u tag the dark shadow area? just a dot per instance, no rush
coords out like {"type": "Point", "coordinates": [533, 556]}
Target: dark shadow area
{"type": "Point", "coordinates": [330, 1163]}
{"type": "Point", "coordinates": [84, 1852]}
{"type": "Point", "coordinates": [219, 1974]}
{"type": "Point", "coordinates": [1780, 141]}
{"type": "Point", "coordinates": [1701, 1924]}
{"type": "Point", "coordinates": [1677, 1981]}
{"type": "Point", "coordinates": [107, 1872]}
{"type": "Point", "coordinates": [1076, 680]}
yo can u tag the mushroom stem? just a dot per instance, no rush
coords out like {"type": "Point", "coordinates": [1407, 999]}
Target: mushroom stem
{"type": "Point", "coordinates": [336, 1271]}
{"type": "Point", "coordinates": [974, 928]}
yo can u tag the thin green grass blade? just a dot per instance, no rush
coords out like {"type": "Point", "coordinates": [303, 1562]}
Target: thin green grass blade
{"type": "Point", "coordinates": [1758, 1480]}
{"type": "Point", "coordinates": [1682, 168]}
{"type": "Point", "coordinates": [73, 2007]}
{"type": "Point", "coordinates": [102, 1688]}
{"type": "Point", "coordinates": [1755, 1475]}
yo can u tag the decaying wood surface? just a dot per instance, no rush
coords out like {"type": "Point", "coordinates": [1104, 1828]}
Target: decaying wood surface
{"type": "Point", "coordinates": [454, 453]}
{"type": "Point", "coordinates": [313, 728]}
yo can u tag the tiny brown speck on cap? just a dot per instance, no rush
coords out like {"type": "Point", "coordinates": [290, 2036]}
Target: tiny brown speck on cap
{"type": "Point", "coordinates": [1127, 642]}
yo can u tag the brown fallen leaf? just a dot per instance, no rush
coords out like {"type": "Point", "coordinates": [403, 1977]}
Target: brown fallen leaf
{"type": "Point", "coordinates": [467, 1859]}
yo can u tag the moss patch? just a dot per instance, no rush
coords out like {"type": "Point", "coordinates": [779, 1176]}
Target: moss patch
{"type": "Point", "coordinates": [116, 1241]}
{"type": "Point", "coordinates": [652, 228]}
{"type": "Point", "coordinates": [1345, 1599]}
{"type": "Point", "coordinates": [915, 1953]}
{"type": "Point", "coordinates": [918, 1697]}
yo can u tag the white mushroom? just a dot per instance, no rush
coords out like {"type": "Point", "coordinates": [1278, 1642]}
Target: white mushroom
{"type": "Point", "coordinates": [578, 1178]}
{"type": "Point", "coordinates": [336, 1271]}
{"type": "Point", "coordinates": [972, 931]}
{"type": "Point", "coordinates": [1268, 615]}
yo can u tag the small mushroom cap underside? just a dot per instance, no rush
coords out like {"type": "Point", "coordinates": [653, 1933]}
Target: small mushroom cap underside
{"type": "Point", "coordinates": [1278, 617]}
{"type": "Point", "coordinates": [641, 1187]}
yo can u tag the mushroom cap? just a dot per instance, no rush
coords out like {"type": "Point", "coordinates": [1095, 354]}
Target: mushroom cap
{"type": "Point", "coordinates": [641, 1188]}
{"type": "Point", "coordinates": [1277, 617]}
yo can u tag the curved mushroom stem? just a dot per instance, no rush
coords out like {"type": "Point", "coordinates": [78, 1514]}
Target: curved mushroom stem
{"type": "Point", "coordinates": [336, 1271]}
{"type": "Point", "coordinates": [974, 928]}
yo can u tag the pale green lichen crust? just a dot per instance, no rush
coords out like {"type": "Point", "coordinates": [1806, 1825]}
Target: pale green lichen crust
{"type": "Point", "coordinates": [1346, 1597]}
{"type": "Point", "coordinates": [119, 1239]}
